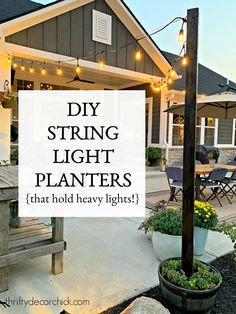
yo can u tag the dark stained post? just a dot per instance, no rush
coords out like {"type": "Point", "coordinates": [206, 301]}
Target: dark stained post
{"type": "Point", "coordinates": [190, 140]}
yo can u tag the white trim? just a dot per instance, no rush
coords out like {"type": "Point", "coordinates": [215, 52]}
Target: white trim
{"type": "Point", "coordinates": [31, 19]}
{"type": "Point", "coordinates": [234, 131]}
{"type": "Point", "coordinates": [149, 101]}
{"type": "Point", "coordinates": [137, 31]}
{"type": "Point", "coordinates": [216, 132]}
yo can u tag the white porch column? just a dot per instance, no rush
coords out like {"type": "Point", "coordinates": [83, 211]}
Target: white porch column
{"type": "Point", "coordinates": [5, 114]}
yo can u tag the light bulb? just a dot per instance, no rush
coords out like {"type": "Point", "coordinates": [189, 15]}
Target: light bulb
{"type": "Point", "coordinates": [31, 68]}
{"type": "Point", "coordinates": [101, 63]}
{"type": "Point", "coordinates": [172, 73]}
{"type": "Point", "coordinates": [22, 67]}
{"type": "Point", "coordinates": [185, 60]}
{"type": "Point", "coordinates": [181, 36]}
{"type": "Point", "coordinates": [77, 69]}
{"type": "Point", "coordinates": [138, 55]}
{"type": "Point", "coordinates": [59, 71]}
{"type": "Point", "coordinates": [14, 65]}
{"type": "Point", "coordinates": [169, 80]}
{"type": "Point", "coordinates": [9, 59]}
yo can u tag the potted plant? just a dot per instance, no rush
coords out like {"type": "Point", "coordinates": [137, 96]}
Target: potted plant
{"type": "Point", "coordinates": [212, 161]}
{"type": "Point", "coordinates": [7, 100]}
{"type": "Point", "coordinates": [167, 233]}
{"type": "Point", "coordinates": [146, 225]}
{"type": "Point", "coordinates": [205, 218]}
{"type": "Point", "coordinates": [195, 294]}
{"type": "Point", "coordinates": [14, 157]}
{"type": "Point", "coordinates": [153, 154]}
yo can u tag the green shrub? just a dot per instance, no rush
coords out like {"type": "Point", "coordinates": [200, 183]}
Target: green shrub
{"type": "Point", "coordinates": [153, 153]}
{"type": "Point", "coordinates": [168, 221]}
{"type": "Point", "coordinates": [203, 277]}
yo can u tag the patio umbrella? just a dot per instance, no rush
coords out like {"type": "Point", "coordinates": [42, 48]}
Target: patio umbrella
{"type": "Point", "coordinates": [221, 106]}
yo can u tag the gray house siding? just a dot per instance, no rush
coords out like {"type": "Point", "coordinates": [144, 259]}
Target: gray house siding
{"type": "Point", "coordinates": [70, 34]}
{"type": "Point", "coordinates": [225, 128]}
{"type": "Point", "coordinates": [155, 110]}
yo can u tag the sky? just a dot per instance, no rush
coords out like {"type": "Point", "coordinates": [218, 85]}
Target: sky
{"type": "Point", "coordinates": [217, 46]}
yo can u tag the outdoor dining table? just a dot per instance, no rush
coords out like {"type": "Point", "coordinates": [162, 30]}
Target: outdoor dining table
{"type": "Point", "coordinates": [33, 239]}
{"type": "Point", "coordinates": [206, 169]}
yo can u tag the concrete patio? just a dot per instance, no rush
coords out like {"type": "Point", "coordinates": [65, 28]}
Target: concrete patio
{"type": "Point", "coordinates": [107, 261]}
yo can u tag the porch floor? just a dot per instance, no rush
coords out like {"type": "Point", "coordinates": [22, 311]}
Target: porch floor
{"type": "Point", "coordinates": [107, 261]}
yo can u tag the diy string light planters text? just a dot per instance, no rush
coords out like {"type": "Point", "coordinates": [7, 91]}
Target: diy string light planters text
{"type": "Point", "coordinates": [85, 157]}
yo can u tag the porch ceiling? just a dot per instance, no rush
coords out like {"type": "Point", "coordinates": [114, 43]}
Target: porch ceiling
{"type": "Point", "coordinates": [102, 79]}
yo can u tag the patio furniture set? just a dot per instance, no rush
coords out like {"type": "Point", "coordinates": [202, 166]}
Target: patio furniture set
{"type": "Point", "coordinates": [219, 179]}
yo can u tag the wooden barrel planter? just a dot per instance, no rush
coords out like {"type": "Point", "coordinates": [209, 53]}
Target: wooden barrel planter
{"type": "Point", "coordinates": [188, 301]}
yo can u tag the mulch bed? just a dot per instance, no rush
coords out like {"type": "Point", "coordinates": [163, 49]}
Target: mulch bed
{"type": "Point", "coordinates": [226, 298]}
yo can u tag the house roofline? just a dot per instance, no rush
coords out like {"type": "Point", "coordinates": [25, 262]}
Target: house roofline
{"type": "Point", "coordinates": [118, 6]}
{"type": "Point", "coordinates": [30, 11]}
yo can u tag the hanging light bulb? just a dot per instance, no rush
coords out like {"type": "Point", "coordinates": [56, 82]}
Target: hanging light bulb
{"type": "Point", "coordinates": [181, 35]}
{"type": "Point", "coordinates": [22, 65]}
{"type": "Point", "coordinates": [185, 60]}
{"type": "Point", "coordinates": [101, 63]}
{"type": "Point", "coordinates": [59, 71]}
{"type": "Point", "coordinates": [14, 64]}
{"type": "Point", "coordinates": [169, 80]}
{"type": "Point", "coordinates": [43, 71]}
{"type": "Point", "coordinates": [31, 68]}
{"type": "Point", "coordinates": [9, 59]}
{"type": "Point", "coordinates": [77, 67]}
{"type": "Point", "coordinates": [172, 72]}
{"type": "Point", "coordinates": [138, 55]}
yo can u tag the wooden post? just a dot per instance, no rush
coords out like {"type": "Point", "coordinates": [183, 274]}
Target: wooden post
{"type": "Point", "coordinates": [57, 236]}
{"type": "Point", "coordinates": [190, 140]}
{"type": "Point", "coordinates": [4, 235]}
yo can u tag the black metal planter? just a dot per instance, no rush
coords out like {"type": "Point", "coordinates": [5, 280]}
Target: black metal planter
{"type": "Point", "coordinates": [185, 300]}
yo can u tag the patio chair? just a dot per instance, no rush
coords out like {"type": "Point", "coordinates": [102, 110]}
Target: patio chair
{"type": "Point", "coordinates": [177, 164]}
{"type": "Point", "coordinates": [230, 184]}
{"type": "Point", "coordinates": [175, 181]}
{"type": "Point", "coordinates": [214, 182]}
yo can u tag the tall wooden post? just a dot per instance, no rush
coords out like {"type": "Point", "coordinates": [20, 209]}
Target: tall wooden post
{"type": "Point", "coordinates": [190, 140]}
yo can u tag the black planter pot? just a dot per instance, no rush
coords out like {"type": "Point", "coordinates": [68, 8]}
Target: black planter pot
{"type": "Point", "coordinates": [188, 301]}
{"type": "Point", "coordinates": [152, 161]}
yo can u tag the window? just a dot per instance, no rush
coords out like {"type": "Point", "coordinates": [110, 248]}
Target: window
{"type": "Point", "coordinates": [209, 127]}
{"type": "Point", "coordinates": [178, 130]}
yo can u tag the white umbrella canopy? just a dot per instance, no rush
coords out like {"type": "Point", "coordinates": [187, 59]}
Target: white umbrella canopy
{"type": "Point", "coordinates": [221, 106]}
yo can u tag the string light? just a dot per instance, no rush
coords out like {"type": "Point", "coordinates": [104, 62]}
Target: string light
{"type": "Point", "coordinates": [14, 64]}
{"type": "Point", "coordinates": [185, 60]}
{"type": "Point", "coordinates": [9, 59]}
{"type": "Point", "coordinates": [31, 68]}
{"type": "Point", "coordinates": [59, 71]}
{"type": "Point", "coordinates": [43, 71]}
{"type": "Point", "coordinates": [181, 36]}
{"type": "Point", "coordinates": [168, 79]}
{"type": "Point", "coordinates": [138, 55]}
{"type": "Point", "coordinates": [22, 66]}
{"type": "Point", "coordinates": [101, 61]}
{"type": "Point", "coordinates": [77, 67]}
